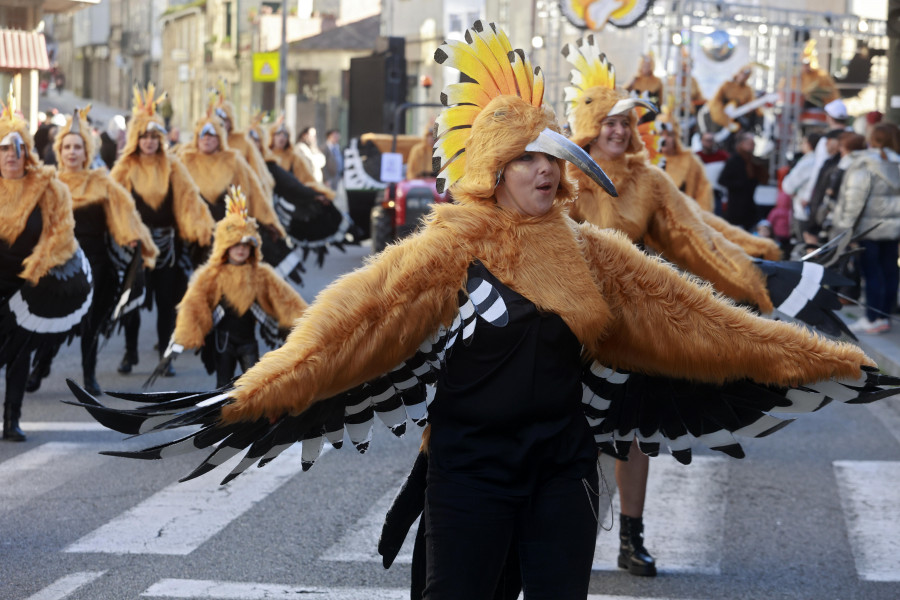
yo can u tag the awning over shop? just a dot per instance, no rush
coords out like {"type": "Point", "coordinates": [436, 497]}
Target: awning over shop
{"type": "Point", "coordinates": [21, 50]}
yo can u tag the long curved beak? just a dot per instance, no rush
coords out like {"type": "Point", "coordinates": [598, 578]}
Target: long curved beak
{"type": "Point", "coordinates": [626, 104]}
{"type": "Point", "coordinates": [555, 144]}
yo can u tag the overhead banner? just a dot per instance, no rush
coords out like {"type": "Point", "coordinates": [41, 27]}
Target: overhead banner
{"type": "Point", "coordinates": [265, 66]}
{"type": "Point", "coordinates": [595, 15]}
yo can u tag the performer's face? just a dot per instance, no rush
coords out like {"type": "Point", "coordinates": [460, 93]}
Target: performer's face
{"type": "Point", "coordinates": [72, 150]}
{"type": "Point", "coordinates": [281, 140]}
{"type": "Point", "coordinates": [149, 143]}
{"type": "Point", "coordinates": [238, 254]}
{"type": "Point", "coordinates": [528, 184]}
{"type": "Point", "coordinates": [11, 166]}
{"type": "Point", "coordinates": [208, 143]}
{"type": "Point", "coordinates": [613, 139]}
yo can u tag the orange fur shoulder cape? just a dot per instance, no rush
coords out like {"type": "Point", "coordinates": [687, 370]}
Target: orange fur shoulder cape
{"type": "Point", "coordinates": [651, 209]}
{"type": "Point", "coordinates": [628, 310]}
{"type": "Point", "coordinates": [122, 219]}
{"type": "Point", "coordinates": [151, 176]}
{"type": "Point", "coordinates": [215, 173]}
{"type": "Point", "coordinates": [39, 187]}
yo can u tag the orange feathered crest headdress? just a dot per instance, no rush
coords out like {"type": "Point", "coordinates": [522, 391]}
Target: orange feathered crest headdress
{"type": "Point", "coordinates": [236, 228]}
{"type": "Point", "coordinates": [592, 95]}
{"type": "Point", "coordinates": [259, 133]}
{"type": "Point", "coordinates": [144, 118]}
{"type": "Point", "coordinates": [14, 131]}
{"type": "Point", "coordinates": [211, 121]}
{"type": "Point", "coordinates": [493, 115]}
{"type": "Point", "coordinates": [77, 124]}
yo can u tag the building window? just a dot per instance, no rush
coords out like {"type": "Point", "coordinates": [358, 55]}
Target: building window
{"type": "Point", "coordinates": [228, 19]}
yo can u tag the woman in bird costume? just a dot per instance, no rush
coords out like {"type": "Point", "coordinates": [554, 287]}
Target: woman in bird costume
{"type": "Point", "coordinates": [689, 175]}
{"type": "Point", "coordinates": [289, 159]}
{"type": "Point", "coordinates": [104, 212]}
{"type": "Point", "coordinates": [509, 307]}
{"type": "Point", "coordinates": [304, 209]}
{"type": "Point", "coordinates": [45, 279]}
{"type": "Point", "coordinates": [230, 293]}
{"type": "Point", "coordinates": [239, 140]}
{"type": "Point", "coordinates": [169, 205]}
{"type": "Point", "coordinates": [651, 210]}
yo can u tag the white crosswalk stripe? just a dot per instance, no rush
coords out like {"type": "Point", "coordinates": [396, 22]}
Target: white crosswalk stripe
{"type": "Point", "coordinates": [688, 534]}
{"type": "Point", "coordinates": [181, 517]}
{"type": "Point", "coordinates": [870, 497]}
{"type": "Point", "coordinates": [62, 587]}
{"type": "Point", "coordinates": [41, 470]}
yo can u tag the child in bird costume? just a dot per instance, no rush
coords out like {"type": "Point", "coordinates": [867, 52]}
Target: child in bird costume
{"type": "Point", "coordinates": [508, 307]}
{"type": "Point", "coordinates": [230, 293]}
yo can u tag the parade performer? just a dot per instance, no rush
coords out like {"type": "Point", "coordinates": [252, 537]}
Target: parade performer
{"type": "Point", "coordinates": [735, 93]}
{"type": "Point", "coordinates": [816, 85]}
{"type": "Point", "coordinates": [170, 205]}
{"type": "Point", "coordinates": [230, 293]}
{"type": "Point", "coordinates": [689, 176]}
{"type": "Point", "coordinates": [505, 304]}
{"type": "Point", "coordinates": [239, 139]}
{"type": "Point", "coordinates": [45, 279]}
{"type": "Point", "coordinates": [104, 213]}
{"type": "Point", "coordinates": [289, 159]}
{"type": "Point", "coordinates": [215, 166]}
{"type": "Point", "coordinates": [418, 163]}
{"type": "Point", "coordinates": [647, 85]}
{"type": "Point", "coordinates": [311, 220]}
{"type": "Point", "coordinates": [651, 210]}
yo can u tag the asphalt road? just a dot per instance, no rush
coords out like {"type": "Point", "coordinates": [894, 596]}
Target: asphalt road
{"type": "Point", "coordinates": [812, 512]}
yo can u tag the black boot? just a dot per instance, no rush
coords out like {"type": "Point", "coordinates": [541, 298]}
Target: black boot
{"type": "Point", "coordinates": [91, 386]}
{"type": "Point", "coordinates": [128, 361]}
{"type": "Point", "coordinates": [11, 430]}
{"type": "Point", "coordinates": [632, 554]}
{"type": "Point", "coordinates": [40, 370]}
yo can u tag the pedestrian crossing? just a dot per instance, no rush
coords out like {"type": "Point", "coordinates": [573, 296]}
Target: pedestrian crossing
{"type": "Point", "coordinates": [177, 520]}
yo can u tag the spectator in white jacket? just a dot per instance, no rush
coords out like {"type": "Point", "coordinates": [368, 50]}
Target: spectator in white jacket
{"type": "Point", "coordinates": [870, 195]}
{"type": "Point", "coordinates": [797, 179]}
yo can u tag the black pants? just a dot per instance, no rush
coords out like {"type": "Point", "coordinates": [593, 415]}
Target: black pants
{"type": "Point", "coordinates": [469, 532]}
{"type": "Point", "coordinates": [16, 377]}
{"type": "Point", "coordinates": [167, 286]}
{"type": "Point", "coordinates": [105, 287]}
{"type": "Point", "coordinates": [229, 354]}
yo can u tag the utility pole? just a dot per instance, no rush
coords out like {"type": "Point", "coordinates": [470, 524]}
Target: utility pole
{"type": "Point", "coordinates": [282, 59]}
{"type": "Point", "coordinates": [892, 111]}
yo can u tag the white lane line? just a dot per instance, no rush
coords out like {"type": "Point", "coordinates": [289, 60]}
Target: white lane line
{"type": "Point", "coordinates": [225, 590]}
{"type": "Point", "coordinates": [869, 493]}
{"type": "Point", "coordinates": [684, 519]}
{"type": "Point", "coordinates": [44, 468]}
{"type": "Point", "coordinates": [62, 426]}
{"type": "Point", "coordinates": [197, 589]}
{"type": "Point", "coordinates": [360, 543]}
{"type": "Point", "coordinates": [181, 517]}
{"type": "Point", "coordinates": [64, 586]}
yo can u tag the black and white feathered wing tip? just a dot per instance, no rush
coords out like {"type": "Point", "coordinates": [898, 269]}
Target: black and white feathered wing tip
{"type": "Point", "coordinates": [808, 292]}
{"type": "Point", "coordinates": [679, 414]}
{"type": "Point", "coordinates": [618, 406]}
{"type": "Point", "coordinates": [45, 315]}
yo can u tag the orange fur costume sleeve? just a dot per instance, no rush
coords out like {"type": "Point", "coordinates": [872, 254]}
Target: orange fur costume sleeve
{"type": "Point", "coordinates": [194, 319]}
{"type": "Point", "coordinates": [57, 242]}
{"type": "Point", "coordinates": [277, 297]}
{"type": "Point", "coordinates": [195, 223]}
{"type": "Point", "coordinates": [124, 222]}
{"type": "Point", "coordinates": [712, 339]}
{"type": "Point", "coordinates": [752, 244]}
{"type": "Point", "coordinates": [678, 232]}
{"type": "Point", "coordinates": [362, 325]}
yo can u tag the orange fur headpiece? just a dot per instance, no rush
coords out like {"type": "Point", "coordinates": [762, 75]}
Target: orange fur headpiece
{"type": "Point", "coordinates": [224, 107]}
{"type": "Point", "coordinates": [144, 118]}
{"type": "Point", "coordinates": [491, 115]}
{"type": "Point", "coordinates": [592, 95]}
{"type": "Point", "coordinates": [259, 133]}
{"type": "Point", "coordinates": [77, 124]}
{"type": "Point", "coordinates": [12, 123]}
{"type": "Point", "coordinates": [211, 121]}
{"type": "Point", "coordinates": [236, 228]}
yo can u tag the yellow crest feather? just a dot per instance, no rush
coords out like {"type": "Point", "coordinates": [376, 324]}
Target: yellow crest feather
{"type": "Point", "coordinates": [591, 69]}
{"type": "Point", "coordinates": [491, 68]}
{"type": "Point", "coordinates": [236, 202]}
